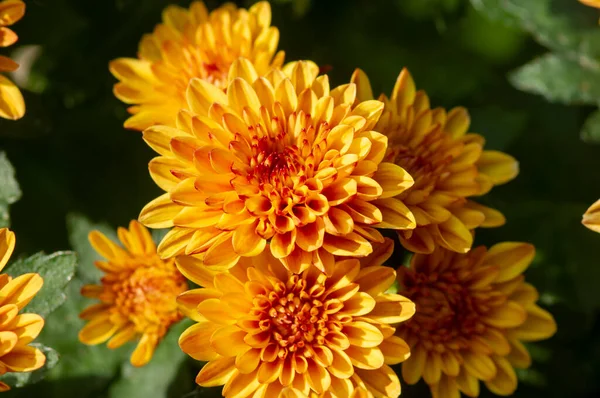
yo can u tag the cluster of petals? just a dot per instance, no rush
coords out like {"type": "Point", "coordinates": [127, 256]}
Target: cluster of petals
{"type": "Point", "coordinates": [474, 311]}
{"type": "Point", "coordinates": [17, 330]}
{"type": "Point", "coordinates": [448, 166]}
{"type": "Point", "coordinates": [12, 105]}
{"type": "Point", "coordinates": [137, 294]}
{"type": "Point", "coordinates": [280, 158]}
{"type": "Point", "coordinates": [192, 43]}
{"type": "Point", "coordinates": [268, 332]}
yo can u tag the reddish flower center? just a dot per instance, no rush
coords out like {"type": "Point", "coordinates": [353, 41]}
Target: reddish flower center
{"type": "Point", "coordinates": [448, 311]}
{"type": "Point", "coordinates": [146, 297]}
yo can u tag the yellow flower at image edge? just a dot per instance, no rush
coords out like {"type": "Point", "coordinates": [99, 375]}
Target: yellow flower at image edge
{"type": "Point", "coordinates": [12, 105]}
{"type": "Point", "coordinates": [267, 332]}
{"type": "Point", "coordinates": [17, 330]}
{"type": "Point", "coordinates": [591, 3]}
{"type": "Point", "coordinates": [137, 294]}
{"type": "Point", "coordinates": [448, 166]}
{"type": "Point", "coordinates": [281, 158]}
{"type": "Point", "coordinates": [474, 311]}
{"type": "Point", "coordinates": [191, 43]}
{"type": "Point", "coordinates": [591, 217]}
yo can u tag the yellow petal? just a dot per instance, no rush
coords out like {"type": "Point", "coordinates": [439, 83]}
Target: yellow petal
{"type": "Point", "coordinates": [143, 351]}
{"type": "Point", "coordinates": [174, 242]}
{"type": "Point", "coordinates": [508, 315]}
{"type": "Point", "coordinates": [499, 166]}
{"type": "Point", "coordinates": [27, 327]}
{"type": "Point", "coordinates": [412, 369]}
{"type": "Point", "coordinates": [362, 334]}
{"type": "Point", "coordinates": [591, 218]}
{"type": "Point", "coordinates": [395, 350]}
{"type": "Point", "coordinates": [393, 179]}
{"type": "Point", "coordinates": [512, 258]}
{"type": "Point", "coordinates": [7, 245]}
{"type": "Point", "coordinates": [97, 331]}
{"type": "Point", "coordinates": [213, 310]}
{"type": "Point", "coordinates": [375, 280]}
{"type": "Point", "coordinates": [479, 365]}
{"type": "Point", "coordinates": [195, 270]}
{"type": "Point", "coordinates": [392, 308]}
{"type": "Point", "coordinates": [8, 340]}
{"type": "Point", "coordinates": [228, 341]}
{"type": "Point", "coordinates": [160, 212]}
{"type": "Point", "coordinates": [216, 372]}
{"type": "Point", "coordinates": [539, 325]}
{"type": "Point", "coordinates": [201, 95]}
{"type": "Point", "coordinates": [24, 359]}
{"type": "Point", "coordinates": [505, 382]}
{"type": "Point", "coordinates": [454, 235]}
{"type": "Point", "coordinates": [122, 336]}
{"type": "Point", "coordinates": [365, 358]}
{"type": "Point", "coordinates": [395, 214]}
{"type": "Point", "coordinates": [195, 341]}
{"type": "Point", "coordinates": [12, 105]}
{"type": "Point", "coordinates": [351, 244]}
{"type": "Point", "coordinates": [364, 91]}
{"type": "Point", "coordinates": [21, 290]}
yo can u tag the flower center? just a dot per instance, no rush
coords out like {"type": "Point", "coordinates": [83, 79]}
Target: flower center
{"type": "Point", "coordinates": [146, 297]}
{"type": "Point", "coordinates": [426, 160]}
{"type": "Point", "coordinates": [295, 317]}
{"type": "Point", "coordinates": [448, 311]}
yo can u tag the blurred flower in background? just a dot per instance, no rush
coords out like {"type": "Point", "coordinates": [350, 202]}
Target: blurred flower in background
{"type": "Point", "coordinates": [474, 311]}
{"type": "Point", "coordinates": [17, 330]}
{"type": "Point", "coordinates": [192, 43]}
{"type": "Point", "coordinates": [447, 164]}
{"type": "Point", "coordinates": [267, 331]}
{"type": "Point", "coordinates": [12, 105]}
{"type": "Point", "coordinates": [137, 294]}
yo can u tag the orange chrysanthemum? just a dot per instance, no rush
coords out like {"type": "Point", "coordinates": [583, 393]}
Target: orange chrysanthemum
{"type": "Point", "coordinates": [138, 294]}
{"type": "Point", "coordinates": [474, 311]}
{"type": "Point", "coordinates": [192, 44]}
{"type": "Point", "coordinates": [17, 330]}
{"type": "Point", "coordinates": [591, 217]}
{"type": "Point", "coordinates": [12, 105]}
{"type": "Point", "coordinates": [272, 333]}
{"type": "Point", "coordinates": [448, 167]}
{"type": "Point", "coordinates": [280, 158]}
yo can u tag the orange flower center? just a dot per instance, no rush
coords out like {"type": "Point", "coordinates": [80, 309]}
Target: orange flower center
{"type": "Point", "coordinates": [426, 161]}
{"type": "Point", "coordinates": [448, 311]}
{"type": "Point", "coordinates": [294, 319]}
{"type": "Point", "coordinates": [146, 297]}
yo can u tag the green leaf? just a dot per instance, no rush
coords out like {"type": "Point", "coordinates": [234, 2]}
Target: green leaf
{"type": "Point", "coordinates": [590, 132]}
{"type": "Point", "coordinates": [23, 379]}
{"type": "Point", "coordinates": [9, 189]}
{"type": "Point", "coordinates": [79, 228]}
{"type": "Point", "coordinates": [154, 379]}
{"type": "Point", "coordinates": [564, 26]}
{"type": "Point", "coordinates": [56, 269]}
{"type": "Point", "coordinates": [559, 79]}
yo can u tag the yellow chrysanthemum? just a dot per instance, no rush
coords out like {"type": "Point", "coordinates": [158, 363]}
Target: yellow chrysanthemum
{"type": "Point", "coordinates": [591, 218]}
{"type": "Point", "coordinates": [280, 158]}
{"type": "Point", "coordinates": [474, 311]}
{"type": "Point", "coordinates": [267, 332]}
{"type": "Point", "coordinates": [17, 330]}
{"type": "Point", "coordinates": [447, 164]}
{"type": "Point", "coordinates": [12, 105]}
{"type": "Point", "coordinates": [138, 294]}
{"type": "Point", "coordinates": [591, 3]}
{"type": "Point", "coordinates": [192, 44]}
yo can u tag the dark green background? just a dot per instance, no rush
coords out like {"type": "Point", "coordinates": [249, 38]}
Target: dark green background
{"type": "Point", "coordinates": [72, 155]}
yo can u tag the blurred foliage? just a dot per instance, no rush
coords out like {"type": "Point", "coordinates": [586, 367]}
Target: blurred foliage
{"type": "Point", "coordinates": [10, 191]}
{"type": "Point", "coordinates": [71, 153]}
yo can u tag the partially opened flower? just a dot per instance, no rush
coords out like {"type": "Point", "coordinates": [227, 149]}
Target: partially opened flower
{"type": "Point", "coordinates": [280, 158]}
{"type": "Point", "coordinates": [137, 294]}
{"type": "Point", "coordinates": [17, 330]}
{"type": "Point", "coordinates": [192, 43]}
{"type": "Point", "coordinates": [474, 311]}
{"type": "Point", "coordinates": [12, 105]}
{"type": "Point", "coordinates": [591, 218]}
{"type": "Point", "coordinates": [266, 331]}
{"type": "Point", "coordinates": [447, 164]}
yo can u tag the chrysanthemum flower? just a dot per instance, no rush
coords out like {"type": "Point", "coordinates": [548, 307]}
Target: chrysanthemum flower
{"type": "Point", "coordinates": [191, 43]}
{"type": "Point", "coordinates": [269, 332]}
{"type": "Point", "coordinates": [474, 311]}
{"type": "Point", "coordinates": [17, 330]}
{"type": "Point", "coordinates": [280, 158]}
{"type": "Point", "coordinates": [12, 105]}
{"type": "Point", "coordinates": [138, 294]}
{"type": "Point", "coordinates": [447, 164]}
{"type": "Point", "coordinates": [591, 218]}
